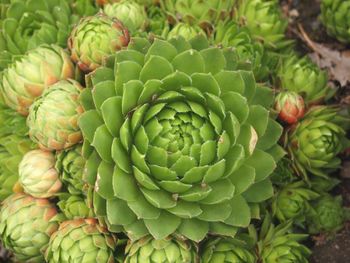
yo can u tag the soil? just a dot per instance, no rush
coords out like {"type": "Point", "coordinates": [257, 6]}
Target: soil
{"type": "Point", "coordinates": [5, 256]}
{"type": "Point", "coordinates": [334, 251]}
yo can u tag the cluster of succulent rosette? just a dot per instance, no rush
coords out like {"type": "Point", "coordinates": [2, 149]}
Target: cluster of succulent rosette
{"type": "Point", "coordinates": [164, 131]}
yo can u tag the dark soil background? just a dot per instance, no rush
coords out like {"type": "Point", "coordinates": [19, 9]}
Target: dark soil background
{"type": "Point", "coordinates": [305, 13]}
{"type": "Point", "coordinates": [4, 256]}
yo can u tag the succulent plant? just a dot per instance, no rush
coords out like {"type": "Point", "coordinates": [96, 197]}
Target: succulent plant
{"type": "Point", "coordinates": [14, 143]}
{"type": "Point", "coordinates": [130, 13]}
{"type": "Point", "coordinates": [289, 106]}
{"type": "Point", "coordinates": [30, 23]}
{"type": "Point", "coordinates": [169, 129]}
{"type": "Point", "coordinates": [323, 185]}
{"type": "Point", "coordinates": [37, 174]}
{"type": "Point", "coordinates": [95, 38]}
{"type": "Point", "coordinates": [327, 215]}
{"type": "Point", "coordinates": [335, 17]}
{"type": "Point", "coordinates": [26, 224]}
{"type": "Point", "coordinates": [83, 7]}
{"type": "Point", "coordinates": [316, 141]}
{"type": "Point", "coordinates": [251, 54]}
{"type": "Point", "coordinates": [53, 118]}
{"type": "Point", "coordinates": [70, 166]}
{"type": "Point", "coordinates": [81, 240]}
{"type": "Point", "coordinates": [158, 24]}
{"type": "Point", "coordinates": [4, 5]}
{"type": "Point", "coordinates": [228, 250]}
{"type": "Point", "coordinates": [301, 75]}
{"type": "Point", "coordinates": [26, 79]}
{"type": "Point", "coordinates": [74, 206]}
{"type": "Point", "coordinates": [203, 13]}
{"type": "Point", "coordinates": [170, 249]}
{"type": "Point", "coordinates": [293, 202]}
{"type": "Point", "coordinates": [187, 31]}
{"type": "Point", "coordinates": [283, 174]}
{"type": "Point", "coordinates": [265, 22]}
{"type": "Point", "coordinates": [278, 244]}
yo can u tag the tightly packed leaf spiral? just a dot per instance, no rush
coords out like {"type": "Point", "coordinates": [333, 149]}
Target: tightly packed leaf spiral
{"type": "Point", "coordinates": [26, 224]}
{"type": "Point", "coordinates": [176, 142]}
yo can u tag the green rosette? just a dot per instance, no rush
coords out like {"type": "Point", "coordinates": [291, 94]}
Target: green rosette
{"type": "Point", "coordinates": [177, 141]}
{"type": "Point", "coordinates": [170, 249]}
{"type": "Point", "coordinates": [230, 250]}
{"type": "Point", "coordinates": [335, 17]}
{"type": "Point", "coordinates": [316, 141]}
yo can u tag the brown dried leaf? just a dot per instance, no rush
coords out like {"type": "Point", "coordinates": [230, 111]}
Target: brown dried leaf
{"type": "Point", "coordinates": [320, 239]}
{"type": "Point", "coordinates": [336, 62]}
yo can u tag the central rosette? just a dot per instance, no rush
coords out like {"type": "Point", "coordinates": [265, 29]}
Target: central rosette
{"type": "Point", "coordinates": [176, 141]}
{"type": "Point", "coordinates": [174, 149]}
